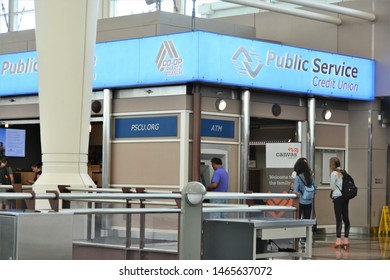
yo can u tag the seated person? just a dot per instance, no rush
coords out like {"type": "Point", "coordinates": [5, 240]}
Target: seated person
{"type": "Point", "coordinates": [37, 169]}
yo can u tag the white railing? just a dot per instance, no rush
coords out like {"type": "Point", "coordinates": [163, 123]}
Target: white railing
{"type": "Point", "coordinates": [178, 205]}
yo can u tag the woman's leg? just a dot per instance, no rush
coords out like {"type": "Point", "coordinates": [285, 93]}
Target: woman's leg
{"type": "Point", "coordinates": [347, 224]}
{"type": "Point", "coordinates": [306, 211]}
{"type": "Point", "coordinates": [337, 204]}
{"type": "Point", "coordinates": [345, 214]}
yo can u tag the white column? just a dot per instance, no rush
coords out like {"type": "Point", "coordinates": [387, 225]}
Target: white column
{"type": "Point", "coordinates": [311, 121]}
{"type": "Point", "coordinates": [245, 137]}
{"type": "Point", "coordinates": [65, 39]}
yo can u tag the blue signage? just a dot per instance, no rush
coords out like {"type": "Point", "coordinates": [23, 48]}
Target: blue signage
{"type": "Point", "coordinates": [146, 127]}
{"type": "Point", "coordinates": [217, 128]}
{"type": "Point", "coordinates": [18, 73]}
{"type": "Point", "coordinates": [208, 57]}
{"type": "Point", "coordinates": [251, 63]}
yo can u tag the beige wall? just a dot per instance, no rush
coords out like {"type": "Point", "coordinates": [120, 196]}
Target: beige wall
{"type": "Point", "coordinates": [145, 164]}
{"type": "Point", "coordinates": [330, 136]}
{"type": "Point", "coordinates": [135, 26]}
{"type": "Point", "coordinates": [22, 111]}
{"type": "Point", "coordinates": [381, 44]}
{"type": "Point", "coordinates": [373, 186]}
{"type": "Point", "coordinates": [149, 162]}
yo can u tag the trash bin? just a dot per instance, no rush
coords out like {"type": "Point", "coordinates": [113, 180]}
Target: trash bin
{"type": "Point", "coordinates": [35, 235]}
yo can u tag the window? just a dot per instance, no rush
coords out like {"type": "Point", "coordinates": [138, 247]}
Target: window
{"type": "Point", "coordinates": [4, 18]}
{"type": "Point", "coordinates": [23, 11]}
{"type": "Point", "coordinates": [24, 15]}
{"type": "Point", "coordinates": [322, 157]}
{"type": "Point", "coordinates": [130, 7]}
{"type": "Point", "coordinates": [126, 7]}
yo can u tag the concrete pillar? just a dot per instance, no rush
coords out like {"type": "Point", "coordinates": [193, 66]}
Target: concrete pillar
{"type": "Point", "coordinates": [65, 39]}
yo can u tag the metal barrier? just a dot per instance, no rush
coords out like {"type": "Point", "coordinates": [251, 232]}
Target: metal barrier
{"type": "Point", "coordinates": [190, 215]}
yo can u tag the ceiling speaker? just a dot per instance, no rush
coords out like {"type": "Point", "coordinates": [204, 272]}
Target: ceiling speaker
{"type": "Point", "coordinates": [276, 110]}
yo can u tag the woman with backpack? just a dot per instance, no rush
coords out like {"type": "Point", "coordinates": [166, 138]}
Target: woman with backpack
{"type": "Point", "coordinates": [304, 177]}
{"type": "Point", "coordinates": [304, 181]}
{"type": "Point", "coordinates": [340, 204]}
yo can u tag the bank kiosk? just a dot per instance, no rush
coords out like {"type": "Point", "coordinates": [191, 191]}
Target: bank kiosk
{"type": "Point", "coordinates": [156, 80]}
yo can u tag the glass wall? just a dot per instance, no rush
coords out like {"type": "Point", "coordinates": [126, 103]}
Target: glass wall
{"type": "Point", "coordinates": [19, 14]}
{"type": "Point", "coordinates": [4, 16]}
{"type": "Point", "coordinates": [129, 7]}
{"type": "Point", "coordinates": [16, 15]}
{"type": "Point", "coordinates": [24, 16]}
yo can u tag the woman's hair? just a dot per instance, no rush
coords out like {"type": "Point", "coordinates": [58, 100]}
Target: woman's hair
{"type": "Point", "coordinates": [3, 160]}
{"type": "Point", "coordinates": [334, 163]}
{"type": "Point", "coordinates": [302, 167]}
{"type": "Point", "coordinates": [37, 164]}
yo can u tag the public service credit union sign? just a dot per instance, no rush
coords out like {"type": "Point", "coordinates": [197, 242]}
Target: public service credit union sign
{"type": "Point", "coordinates": [208, 57]}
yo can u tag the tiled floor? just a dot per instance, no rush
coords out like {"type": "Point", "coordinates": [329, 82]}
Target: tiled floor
{"type": "Point", "coordinates": [362, 247]}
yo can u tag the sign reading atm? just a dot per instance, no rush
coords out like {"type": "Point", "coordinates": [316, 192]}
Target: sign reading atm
{"type": "Point", "coordinates": [165, 126]}
{"type": "Point", "coordinates": [217, 128]}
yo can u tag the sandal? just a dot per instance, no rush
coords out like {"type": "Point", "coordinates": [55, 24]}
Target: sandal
{"type": "Point", "coordinates": [337, 244]}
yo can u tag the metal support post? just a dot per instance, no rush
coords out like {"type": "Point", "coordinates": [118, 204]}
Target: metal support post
{"type": "Point", "coordinates": [191, 221]}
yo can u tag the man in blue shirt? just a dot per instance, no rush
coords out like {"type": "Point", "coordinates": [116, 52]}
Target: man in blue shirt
{"type": "Point", "coordinates": [219, 183]}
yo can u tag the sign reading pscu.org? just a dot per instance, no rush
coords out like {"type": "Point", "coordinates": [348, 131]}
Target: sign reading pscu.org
{"type": "Point", "coordinates": [209, 57]}
{"type": "Point", "coordinates": [164, 126]}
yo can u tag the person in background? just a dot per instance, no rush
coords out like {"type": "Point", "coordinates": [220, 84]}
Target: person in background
{"type": "Point", "coordinates": [6, 178]}
{"type": "Point", "coordinates": [340, 204]}
{"type": "Point", "coordinates": [2, 149]}
{"type": "Point", "coordinates": [219, 183]}
{"type": "Point", "coordinates": [37, 169]}
{"type": "Point", "coordinates": [304, 177]}
{"type": "Point", "coordinates": [293, 176]}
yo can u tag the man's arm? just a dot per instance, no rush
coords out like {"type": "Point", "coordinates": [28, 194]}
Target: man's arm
{"type": "Point", "coordinates": [212, 186]}
{"type": "Point", "coordinates": [11, 178]}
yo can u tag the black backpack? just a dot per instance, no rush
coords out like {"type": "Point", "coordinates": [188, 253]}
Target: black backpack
{"type": "Point", "coordinates": [349, 189]}
{"type": "Point", "coordinates": [4, 176]}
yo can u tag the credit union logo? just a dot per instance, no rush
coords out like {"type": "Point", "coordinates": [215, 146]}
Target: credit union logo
{"type": "Point", "coordinates": [247, 62]}
{"type": "Point", "coordinates": [168, 59]}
